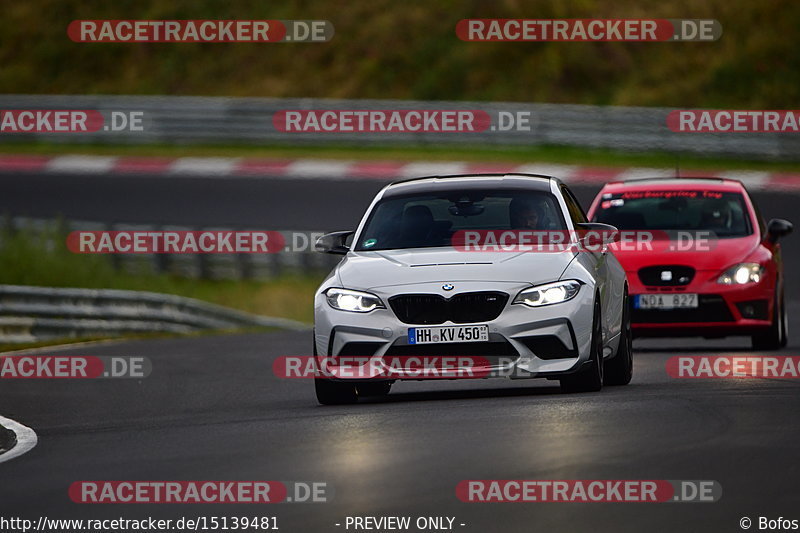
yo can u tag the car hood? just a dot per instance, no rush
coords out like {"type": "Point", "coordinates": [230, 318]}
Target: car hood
{"type": "Point", "coordinates": [720, 254]}
{"type": "Point", "coordinates": [370, 270]}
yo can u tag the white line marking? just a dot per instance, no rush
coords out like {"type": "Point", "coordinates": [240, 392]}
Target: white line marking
{"type": "Point", "coordinates": [564, 172]}
{"type": "Point", "coordinates": [754, 180]}
{"type": "Point", "coordinates": [319, 168]}
{"type": "Point", "coordinates": [432, 168]}
{"type": "Point", "coordinates": [340, 169]}
{"type": "Point", "coordinates": [26, 439]}
{"type": "Point", "coordinates": [89, 164]}
{"type": "Point", "coordinates": [636, 173]}
{"type": "Point", "coordinates": [203, 166]}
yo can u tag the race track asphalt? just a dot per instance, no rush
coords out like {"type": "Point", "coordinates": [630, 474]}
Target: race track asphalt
{"type": "Point", "coordinates": [213, 410]}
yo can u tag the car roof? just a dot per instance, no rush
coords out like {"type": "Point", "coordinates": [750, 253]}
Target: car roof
{"type": "Point", "coordinates": [455, 182]}
{"type": "Point", "coordinates": [661, 184]}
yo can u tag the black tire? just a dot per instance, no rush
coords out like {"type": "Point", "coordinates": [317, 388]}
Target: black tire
{"type": "Point", "coordinates": [619, 369]}
{"type": "Point", "coordinates": [374, 388]}
{"type": "Point", "coordinates": [775, 337]}
{"type": "Point", "coordinates": [785, 323]}
{"type": "Point", "coordinates": [331, 392]}
{"type": "Point", "coordinates": [590, 378]}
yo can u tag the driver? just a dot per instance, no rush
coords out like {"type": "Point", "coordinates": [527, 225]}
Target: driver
{"type": "Point", "coordinates": [716, 215]}
{"type": "Point", "coordinates": [526, 213]}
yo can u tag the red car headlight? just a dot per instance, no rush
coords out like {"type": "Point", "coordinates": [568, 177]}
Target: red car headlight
{"type": "Point", "coordinates": [742, 274]}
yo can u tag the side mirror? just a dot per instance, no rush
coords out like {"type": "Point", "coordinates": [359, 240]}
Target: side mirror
{"type": "Point", "coordinates": [596, 232]}
{"type": "Point", "coordinates": [334, 243]}
{"type": "Point", "coordinates": [778, 228]}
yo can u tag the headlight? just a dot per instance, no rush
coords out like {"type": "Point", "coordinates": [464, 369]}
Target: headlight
{"type": "Point", "coordinates": [552, 293]}
{"type": "Point", "coordinates": [741, 274]}
{"type": "Point", "coordinates": [355, 301]}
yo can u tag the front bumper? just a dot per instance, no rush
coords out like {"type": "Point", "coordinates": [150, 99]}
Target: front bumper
{"type": "Point", "coordinates": [723, 310]}
{"type": "Point", "coordinates": [524, 342]}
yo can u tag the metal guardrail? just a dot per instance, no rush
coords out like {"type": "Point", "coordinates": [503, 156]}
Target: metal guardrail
{"type": "Point", "coordinates": [29, 314]}
{"type": "Point", "coordinates": [301, 259]}
{"type": "Point", "coordinates": [183, 120]}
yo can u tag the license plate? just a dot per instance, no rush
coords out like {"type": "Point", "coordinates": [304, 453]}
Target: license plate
{"type": "Point", "coordinates": [442, 334]}
{"type": "Point", "coordinates": [666, 301]}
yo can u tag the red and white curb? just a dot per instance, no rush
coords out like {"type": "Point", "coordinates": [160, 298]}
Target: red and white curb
{"type": "Point", "coordinates": [343, 169]}
{"type": "Point", "coordinates": [26, 439]}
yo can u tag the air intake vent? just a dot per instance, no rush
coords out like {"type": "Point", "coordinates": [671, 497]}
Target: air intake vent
{"type": "Point", "coordinates": [464, 308]}
{"type": "Point", "coordinates": [666, 275]}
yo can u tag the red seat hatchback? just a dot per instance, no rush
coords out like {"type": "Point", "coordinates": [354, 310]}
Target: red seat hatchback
{"type": "Point", "coordinates": [699, 259]}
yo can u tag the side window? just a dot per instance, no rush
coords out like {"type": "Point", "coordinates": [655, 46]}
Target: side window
{"type": "Point", "coordinates": [575, 211]}
{"type": "Point", "coordinates": [759, 219]}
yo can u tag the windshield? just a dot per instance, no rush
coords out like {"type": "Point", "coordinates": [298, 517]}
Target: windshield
{"type": "Point", "coordinates": [722, 213]}
{"type": "Point", "coordinates": [430, 220]}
